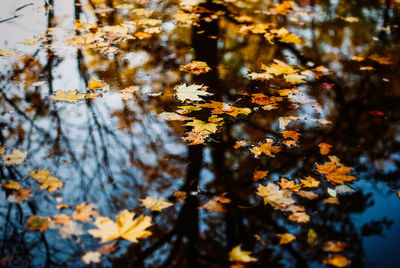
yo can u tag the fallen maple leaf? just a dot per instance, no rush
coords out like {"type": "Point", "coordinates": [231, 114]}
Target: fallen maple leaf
{"type": "Point", "coordinates": [70, 228]}
{"type": "Point", "coordinates": [85, 212]}
{"type": "Point", "coordinates": [336, 260]}
{"type": "Point", "coordinates": [91, 256]}
{"type": "Point", "coordinates": [239, 144]}
{"type": "Point", "coordinates": [332, 246]}
{"type": "Point", "coordinates": [239, 255]}
{"type": "Point", "coordinates": [125, 227]}
{"type": "Point", "coordinates": [277, 198]}
{"type": "Point", "coordinates": [285, 238]}
{"type": "Point", "coordinates": [196, 67]}
{"type": "Point", "coordinates": [194, 138]}
{"type": "Point", "coordinates": [259, 174]}
{"type": "Point", "coordinates": [291, 134]}
{"type": "Point", "coordinates": [267, 148]}
{"type": "Point", "coordinates": [324, 148]}
{"type": "Point", "coordinates": [20, 195]}
{"type": "Point", "coordinates": [37, 223]}
{"type": "Point", "coordinates": [335, 173]}
{"type": "Point", "coordinates": [11, 185]}
{"type": "Point", "coordinates": [205, 129]}
{"type": "Point", "coordinates": [221, 108]}
{"type": "Point", "coordinates": [300, 217]}
{"type": "Point", "coordinates": [15, 158]}
{"type": "Point", "coordinates": [46, 181]}
{"type": "Point", "coordinates": [151, 202]}
{"type": "Point", "coordinates": [70, 96]}
{"type": "Point", "coordinates": [192, 92]}
{"type": "Point", "coordinates": [310, 182]}
{"type": "Point", "coordinates": [173, 116]}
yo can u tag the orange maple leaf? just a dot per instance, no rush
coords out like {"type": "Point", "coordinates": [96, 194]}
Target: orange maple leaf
{"type": "Point", "coordinates": [336, 172]}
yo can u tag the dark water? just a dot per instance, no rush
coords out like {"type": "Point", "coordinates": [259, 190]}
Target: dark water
{"type": "Point", "coordinates": [111, 153]}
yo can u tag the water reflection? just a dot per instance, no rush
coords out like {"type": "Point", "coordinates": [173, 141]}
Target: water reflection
{"type": "Point", "coordinates": [111, 152]}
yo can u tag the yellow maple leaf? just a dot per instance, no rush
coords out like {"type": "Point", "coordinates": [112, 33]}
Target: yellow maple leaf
{"type": "Point", "coordinates": [295, 78]}
{"type": "Point", "coordinates": [194, 138]}
{"type": "Point", "coordinates": [205, 129]}
{"type": "Point", "coordinates": [277, 198]}
{"type": "Point", "coordinates": [70, 96]}
{"type": "Point", "coordinates": [97, 85]}
{"type": "Point", "coordinates": [191, 92]}
{"type": "Point", "coordinates": [15, 158]}
{"type": "Point", "coordinates": [124, 227]}
{"type": "Point", "coordinates": [91, 256]}
{"type": "Point", "coordinates": [37, 223]}
{"type": "Point", "coordinates": [239, 255]}
{"type": "Point", "coordinates": [278, 68]}
{"type": "Point", "coordinates": [46, 181]}
{"type": "Point", "coordinates": [85, 212]}
{"type": "Point", "coordinates": [155, 204]}
{"type": "Point", "coordinates": [310, 182]}
{"type": "Point", "coordinates": [285, 238]}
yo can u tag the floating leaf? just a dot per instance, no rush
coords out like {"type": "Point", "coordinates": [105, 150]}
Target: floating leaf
{"type": "Point", "coordinates": [194, 138]}
{"type": "Point", "coordinates": [46, 181]}
{"type": "Point", "coordinates": [125, 227]}
{"type": "Point", "coordinates": [191, 92]}
{"type": "Point", "coordinates": [151, 202]}
{"type": "Point", "coordinates": [91, 256]}
{"type": "Point", "coordinates": [15, 158]}
{"type": "Point", "coordinates": [196, 67]}
{"type": "Point", "coordinates": [70, 96]}
{"type": "Point", "coordinates": [37, 223]}
{"type": "Point", "coordinates": [221, 108]}
{"type": "Point", "coordinates": [336, 260]}
{"type": "Point", "coordinates": [267, 148]}
{"type": "Point", "coordinates": [259, 174]}
{"type": "Point", "coordinates": [332, 246]}
{"type": "Point", "coordinates": [335, 173]}
{"type": "Point", "coordinates": [85, 212]}
{"type": "Point", "coordinates": [11, 185]}
{"type": "Point", "coordinates": [238, 255]}
{"type": "Point", "coordinates": [324, 148]}
{"type": "Point", "coordinates": [310, 182]}
{"type": "Point", "coordinates": [285, 238]}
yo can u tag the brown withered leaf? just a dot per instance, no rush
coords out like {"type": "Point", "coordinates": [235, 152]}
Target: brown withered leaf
{"type": "Point", "coordinates": [239, 144]}
{"type": "Point", "coordinates": [291, 134]}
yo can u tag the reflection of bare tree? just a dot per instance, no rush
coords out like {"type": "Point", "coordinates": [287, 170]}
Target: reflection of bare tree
{"type": "Point", "coordinates": [114, 167]}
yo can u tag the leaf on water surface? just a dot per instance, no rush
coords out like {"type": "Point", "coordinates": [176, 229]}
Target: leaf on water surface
{"type": "Point", "coordinates": [37, 223]}
{"type": "Point", "coordinates": [190, 92]}
{"type": "Point", "coordinates": [336, 260]}
{"type": "Point", "coordinates": [267, 148]}
{"type": "Point", "coordinates": [285, 238]}
{"type": "Point", "coordinates": [259, 174]}
{"type": "Point", "coordinates": [332, 246]}
{"type": "Point", "coordinates": [193, 138]}
{"type": "Point", "coordinates": [91, 256]}
{"type": "Point", "coordinates": [239, 255]}
{"type": "Point", "coordinates": [276, 197]}
{"type": "Point", "coordinates": [312, 238]}
{"type": "Point", "coordinates": [20, 195]}
{"type": "Point", "coordinates": [205, 129]}
{"type": "Point", "coordinates": [125, 227]}
{"type": "Point", "coordinates": [15, 158]}
{"type": "Point", "coordinates": [216, 204]}
{"type": "Point", "coordinates": [70, 228]}
{"type": "Point", "coordinates": [239, 144]}
{"type": "Point", "coordinates": [221, 108]}
{"type": "Point", "coordinates": [196, 67]}
{"type": "Point", "coordinates": [155, 204]}
{"type": "Point", "coordinates": [46, 181]}
{"type": "Point", "coordinates": [98, 85]}
{"type": "Point", "coordinates": [289, 184]}
{"type": "Point", "coordinates": [180, 196]}
{"type": "Point", "coordinates": [173, 116]}
{"type": "Point", "coordinates": [310, 182]}
{"type": "Point", "coordinates": [70, 96]}
{"type": "Point", "coordinates": [324, 148]}
{"type": "Point", "coordinates": [381, 60]}
{"type": "Point", "coordinates": [85, 212]}
{"type": "Point", "coordinates": [61, 218]}
{"type": "Point", "coordinates": [335, 172]}
{"type": "Point", "coordinates": [11, 185]}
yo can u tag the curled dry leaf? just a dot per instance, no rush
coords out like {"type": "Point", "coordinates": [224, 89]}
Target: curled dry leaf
{"type": "Point", "coordinates": [239, 255]}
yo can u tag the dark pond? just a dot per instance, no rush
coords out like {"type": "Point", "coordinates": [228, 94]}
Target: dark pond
{"type": "Point", "coordinates": [306, 74]}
